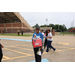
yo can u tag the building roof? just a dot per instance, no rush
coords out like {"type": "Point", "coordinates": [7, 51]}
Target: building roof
{"type": "Point", "coordinates": [13, 17]}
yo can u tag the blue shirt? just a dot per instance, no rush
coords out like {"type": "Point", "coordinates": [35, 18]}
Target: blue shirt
{"type": "Point", "coordinates": [39, 34]}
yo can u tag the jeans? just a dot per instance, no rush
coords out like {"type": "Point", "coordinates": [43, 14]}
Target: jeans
{"type": "Point", "coordinates": [49, 45]}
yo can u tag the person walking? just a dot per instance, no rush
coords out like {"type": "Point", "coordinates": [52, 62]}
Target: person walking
{"type": "Point", "coordinates": [36, 50]}
{"type": "Point", "coordinates": [18, 32]}
{"type": "Point", "coordinates": [49, 41]}
{"type": "Point", "coordinates": [22, 32]}
{"type": "Point", "coordinates": [1, 54]}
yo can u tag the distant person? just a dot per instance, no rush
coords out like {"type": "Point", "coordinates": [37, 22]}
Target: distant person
{"type": "Point", "coordinates": [42, 32]}
{"type": "Point", "coordinates": [1, 54]}
{"type": "Point", "coordinates": [22, 32]}
{"type": "Point", "coordinates": [36, 35]}
{"type": "Point", "coordinates": [18, 32]}
{"type": "Point", "coordinates": [49, 41]}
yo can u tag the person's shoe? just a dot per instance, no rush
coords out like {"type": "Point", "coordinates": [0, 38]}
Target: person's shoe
{"type": "Point", "coordinates": [54, 50]}
{"type": "Point", "coordinates": [46, 51]}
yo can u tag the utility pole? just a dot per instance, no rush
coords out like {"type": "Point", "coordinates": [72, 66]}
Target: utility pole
{"type": "Point", "coordinates": [72, 25]}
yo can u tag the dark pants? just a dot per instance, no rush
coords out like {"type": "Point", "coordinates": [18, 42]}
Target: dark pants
{"type": "Point", "coordinates": [18, 33]}
{"type": "Point", "coordinates": [22, 33]}
{"type": "Point", "coordinates": [49, 45]}
{"type": "Point", "coordinates": [1, 54]}
{"type": "Point", "coordinates": [37, 57]}
{"type": "Point", "coordinates": [45, 43]}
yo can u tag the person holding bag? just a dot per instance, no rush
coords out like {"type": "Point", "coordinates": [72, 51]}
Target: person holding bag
{"type": "Point", "coordinates": [37, 40]}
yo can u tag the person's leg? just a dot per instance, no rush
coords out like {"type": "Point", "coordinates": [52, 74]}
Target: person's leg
{"type": "Point", "coordinates": [0, 60]}
{"type": "Point", "coordinates": [1, 57]}
{"type": "Point", "coordinates": [35, 51]}
{"type": "Point", "coordinates": [22, 33]}
{"type": "Point", "coordinates": [18, 33]}
{"type": "Point", "coordinates": [37, 57]}
{"type": "Point", "coordinates": [52, 46]}
{"type": "Point", "coordinates": [44, 45]}
{"type": "Point", "coordinates": [1, 54]}
{"type": "Point", "coordinates": [47, 46]}
{"type": "Point", "coordinates": [41, 50]}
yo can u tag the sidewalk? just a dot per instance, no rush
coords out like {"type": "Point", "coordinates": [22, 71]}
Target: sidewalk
{"type": "Point", "coordinates": [17, 37]}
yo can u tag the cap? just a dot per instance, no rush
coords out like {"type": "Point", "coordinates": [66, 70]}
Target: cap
{"type": "Point", "coordinates": [38, 27]}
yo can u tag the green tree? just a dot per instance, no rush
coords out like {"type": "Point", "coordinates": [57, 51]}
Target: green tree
{"type": "Point", "coordinates": [51, 25]}
{"type": "Point", "coordinates": [56, 27]}
{"type": "Point", "coordinates": [60, 28]}
{"type": "Point", "coordinates": [64, 27]}
{"type": "Point", "coordinates": [44, 25]}
{"type": "Point", "coordinates": [35, 25]}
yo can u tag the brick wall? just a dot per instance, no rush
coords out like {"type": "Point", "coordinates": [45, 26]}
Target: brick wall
{"type": "Point", "coordinates": [12, 27]}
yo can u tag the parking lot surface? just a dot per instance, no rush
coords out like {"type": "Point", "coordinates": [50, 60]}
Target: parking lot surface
{"type": "Point", "coordinates": [22, 51]}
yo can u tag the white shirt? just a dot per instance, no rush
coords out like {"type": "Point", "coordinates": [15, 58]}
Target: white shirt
{"type": "Point", "coordinates": [18, 30]}
{"type": "Point", "coordinates": [50, 35]}
{"type": "Point", "coordinates": [43, 33]}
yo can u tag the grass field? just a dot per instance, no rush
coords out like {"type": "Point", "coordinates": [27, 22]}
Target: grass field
{"type": "Point", "coordinates": [26, 35]}
{"type": "Point", "coordinates": [15, 35]}
{"type": "Point", "coordinates": [67, 33]}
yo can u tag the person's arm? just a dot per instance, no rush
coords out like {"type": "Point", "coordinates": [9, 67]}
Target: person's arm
{"type": "Point", "coordinates": [50, 36]}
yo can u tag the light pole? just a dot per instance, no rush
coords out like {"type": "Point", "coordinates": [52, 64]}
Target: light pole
{"type": "Point", "coordinates": [72, 25]}
{"type": "Point", "coordinates": [46, 21]}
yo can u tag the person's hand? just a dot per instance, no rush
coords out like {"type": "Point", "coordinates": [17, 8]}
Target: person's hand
{"type": "Point", "coordinates": [2, 46]}
{"type": "Point", "coordinates": [34, 35]}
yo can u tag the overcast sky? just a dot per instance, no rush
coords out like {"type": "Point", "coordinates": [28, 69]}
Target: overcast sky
{"type": "Point", "coordinates": [53, 17]}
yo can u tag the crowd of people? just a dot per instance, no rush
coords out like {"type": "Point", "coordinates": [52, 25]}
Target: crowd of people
{"type": "Point", "coordinates": [38, 51]}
